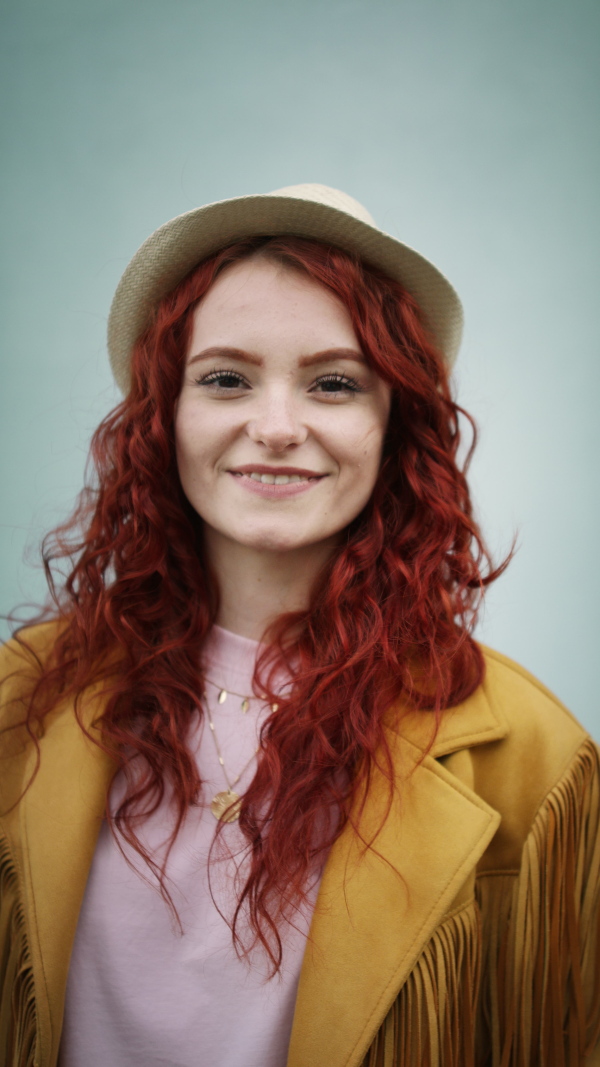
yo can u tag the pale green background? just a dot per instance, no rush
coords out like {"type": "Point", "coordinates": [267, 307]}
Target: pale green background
{"type": "Point", "coordinates": [469, 129]}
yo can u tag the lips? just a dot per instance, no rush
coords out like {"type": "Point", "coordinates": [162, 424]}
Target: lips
{"type": "Point", "coordinates": [253, 469]}
{"type": "Point", "coordinates": [276, 482]}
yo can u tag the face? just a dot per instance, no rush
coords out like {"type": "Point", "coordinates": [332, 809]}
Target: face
{"type": "Point", "coordinates": [280, 421]}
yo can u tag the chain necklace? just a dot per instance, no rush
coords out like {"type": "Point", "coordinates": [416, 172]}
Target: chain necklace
{"type": "Point", "coordinates": [226, 805]}
{"type": "Point", "coordinates": [224, 693]}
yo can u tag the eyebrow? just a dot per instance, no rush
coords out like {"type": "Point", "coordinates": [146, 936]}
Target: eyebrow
{"type": "Point", "coordinates": [226, 352]}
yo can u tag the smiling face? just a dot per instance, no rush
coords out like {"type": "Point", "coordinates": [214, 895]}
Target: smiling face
{"type": "Point", "coordinates": [280, 421]}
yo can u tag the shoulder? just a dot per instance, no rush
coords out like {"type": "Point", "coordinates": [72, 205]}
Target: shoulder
{"type": "Point", "coordinates": [542, 757]}
{"type": "Point", "coordinates": [520, 694]}
{"type": "Point", "coordinates": [510, 720]}
{"type": "Point", "coordinates": [28, 649]}
{"type": "Point", "coordinates": [542, 736]}
{"type": "Point", "coordinates": [22, 660]}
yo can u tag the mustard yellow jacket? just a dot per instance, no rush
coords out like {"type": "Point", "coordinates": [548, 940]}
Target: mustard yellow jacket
{"type": "Point", "coordinates": [485, 952]}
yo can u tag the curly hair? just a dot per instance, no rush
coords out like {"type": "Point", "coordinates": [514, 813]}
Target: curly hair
{"type": "Point", "coordinates": [389, 621]}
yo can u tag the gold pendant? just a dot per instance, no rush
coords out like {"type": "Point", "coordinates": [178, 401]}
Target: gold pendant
{"type": "Point", "coordinates": [226, 806]}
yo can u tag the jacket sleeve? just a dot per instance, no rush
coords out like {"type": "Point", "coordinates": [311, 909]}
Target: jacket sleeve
{"type": "Point", "coordinates": [540, 995]}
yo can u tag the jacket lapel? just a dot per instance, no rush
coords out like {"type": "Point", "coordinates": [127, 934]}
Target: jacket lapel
{"type": "Point", "coordinates": [61, 815]}
{"type": "Point", "coordinates": [370, 925]}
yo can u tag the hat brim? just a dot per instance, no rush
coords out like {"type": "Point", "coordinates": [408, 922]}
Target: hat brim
{"type": "Point", "coordinates": [179, 245]}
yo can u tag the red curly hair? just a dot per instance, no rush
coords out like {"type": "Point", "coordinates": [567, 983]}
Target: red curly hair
{"type": "Point", "coordinates": [389, 619]}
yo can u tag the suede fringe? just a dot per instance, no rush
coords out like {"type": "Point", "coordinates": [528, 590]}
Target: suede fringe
{"type": "Point", "coordinates": [17, 999]}
{"type": "Point", "coordinates": [542, 1008]}
{"type": "Point", "coordinates": [513, 979]}
{"type": "Point", "coordinates": [432, 1022]}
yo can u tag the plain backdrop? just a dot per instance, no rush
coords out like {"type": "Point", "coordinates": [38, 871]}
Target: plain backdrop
{"type": "Point", "coordinates": [468, 128]}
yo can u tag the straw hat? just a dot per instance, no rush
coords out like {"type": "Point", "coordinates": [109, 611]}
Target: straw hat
{"type": "Point", "coordinates": [317, 211]}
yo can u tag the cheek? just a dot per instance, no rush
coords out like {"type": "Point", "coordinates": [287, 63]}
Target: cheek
{"type": "Point", "coordinates": [361, 447]}
{"type": "Point", "coordinates": [190, 447]}
{"type": "Point", "coordinates": [183, 437]}
{"type": "Point", "coordinates": [202, 443]}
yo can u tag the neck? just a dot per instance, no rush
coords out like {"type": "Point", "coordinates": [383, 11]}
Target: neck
{"type": "Point", "coordinates": [256, 586]}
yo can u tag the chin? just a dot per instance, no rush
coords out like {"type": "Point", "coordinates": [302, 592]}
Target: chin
{"type": "Point", "coordinates": [273, 540]}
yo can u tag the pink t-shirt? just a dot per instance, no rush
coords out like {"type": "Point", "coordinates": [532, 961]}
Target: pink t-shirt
{"type": "Point", "coordinates": [140, 993]}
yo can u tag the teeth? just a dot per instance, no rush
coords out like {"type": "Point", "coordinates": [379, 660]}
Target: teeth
{"type": "Point", "coordinates": [275, 479]}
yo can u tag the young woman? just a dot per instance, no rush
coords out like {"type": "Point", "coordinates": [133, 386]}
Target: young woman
{"type": "Point", "coordinates": [265, 801]}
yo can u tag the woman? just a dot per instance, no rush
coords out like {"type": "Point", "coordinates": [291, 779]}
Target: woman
{"type": "Point", "coordinates": [265, 800]}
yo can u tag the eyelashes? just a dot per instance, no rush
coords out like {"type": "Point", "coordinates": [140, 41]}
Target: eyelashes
{"type": "Point", "coordinates": [229, 380]}
{"type": "Point", "coordinates": [218, 377]}
{"type": "Point", "coordinates": [340, 380]}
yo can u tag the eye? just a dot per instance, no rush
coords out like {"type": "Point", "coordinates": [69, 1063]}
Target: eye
{"type": "Point", "coordinates": [335, 384]}
{"type": "Point", "coordinates": [222, 380]}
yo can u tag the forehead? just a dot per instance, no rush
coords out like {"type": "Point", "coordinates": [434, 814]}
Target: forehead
{"type": "Point", "coordinates": [261, 301]}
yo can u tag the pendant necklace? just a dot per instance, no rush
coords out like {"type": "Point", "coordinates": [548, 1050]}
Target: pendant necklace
{"type": "Point", "coordinates": [226, 805]}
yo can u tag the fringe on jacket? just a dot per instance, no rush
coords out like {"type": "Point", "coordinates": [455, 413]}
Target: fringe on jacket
{"type": "Point", "coordinates": [17, 995]}
{"type": "Point", "coordinates": [513, 979]}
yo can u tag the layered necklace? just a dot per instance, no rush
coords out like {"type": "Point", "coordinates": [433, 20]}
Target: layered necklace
{"type": "Point", "coordinates": [226, 804]}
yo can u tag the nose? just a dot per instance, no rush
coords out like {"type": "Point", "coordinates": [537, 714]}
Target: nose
{"type": "Point", "coordinates": [276, 421]}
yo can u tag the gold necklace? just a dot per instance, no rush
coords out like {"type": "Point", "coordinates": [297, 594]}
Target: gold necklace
{"type": "Point", "coordinates": [226, 805]}
{"type": "Point", "coordinates": [224, 693]}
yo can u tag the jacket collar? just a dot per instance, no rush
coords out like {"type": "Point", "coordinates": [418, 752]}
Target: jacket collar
{"type": "Point", "coordinates": [369, 925]}
{"type": "Point", "coordinates": [476, 721]}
